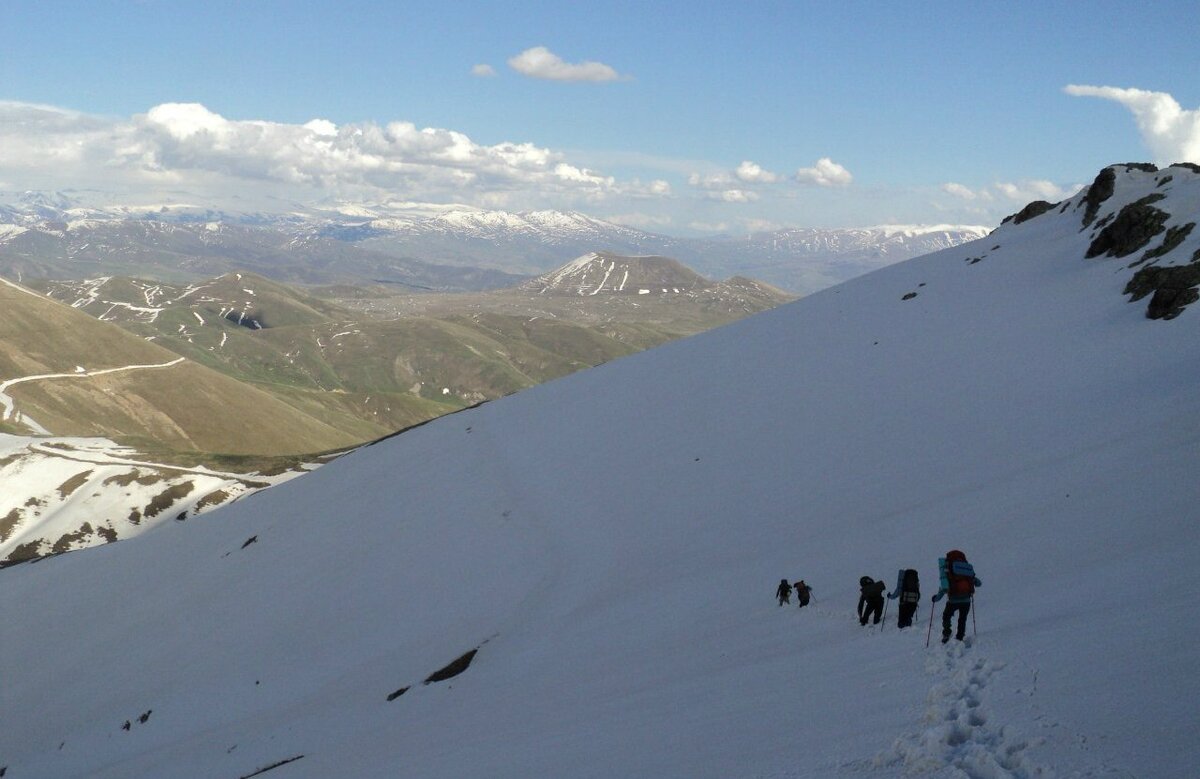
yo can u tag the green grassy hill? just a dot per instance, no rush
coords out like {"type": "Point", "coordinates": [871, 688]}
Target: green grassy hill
{"type": "Point", "coordinates": [370, 360]}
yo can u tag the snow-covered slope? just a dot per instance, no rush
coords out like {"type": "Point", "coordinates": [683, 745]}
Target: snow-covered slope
{"type": "Point", "coordinates": [609, 544]}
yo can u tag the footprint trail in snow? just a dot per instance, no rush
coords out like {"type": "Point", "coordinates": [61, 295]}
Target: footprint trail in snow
{"type": "Point", "coordinates": [958, 736]}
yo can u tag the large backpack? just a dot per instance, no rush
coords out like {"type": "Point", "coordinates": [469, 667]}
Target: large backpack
{"type": "Point", "coordinates": [960, 575]}
{"type": "Point", "coordinates": [910, 587]}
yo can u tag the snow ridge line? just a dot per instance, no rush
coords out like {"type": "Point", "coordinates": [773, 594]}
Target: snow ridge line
{"type": "Point", "coordinates": [957, 737]}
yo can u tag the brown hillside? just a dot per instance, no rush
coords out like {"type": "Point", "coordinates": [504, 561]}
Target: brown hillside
{"type": "Point", "coordinates": [184, 405]}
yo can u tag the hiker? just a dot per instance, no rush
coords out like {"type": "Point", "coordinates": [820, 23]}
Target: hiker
{"type": "Point", "coordinates": [784, 593]}
{"type": "Point", "coordinates": [803, 592]}
{"type": "Point", "coordinates": [958, 582]}
{"type": "Point", "coordinates": [908, 590]}
{"type": "Point", "coordinates": [870, 600]}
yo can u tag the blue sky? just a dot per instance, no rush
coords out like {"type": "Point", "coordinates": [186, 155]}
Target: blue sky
{"type": "Point", "coordinates": [929, 112]}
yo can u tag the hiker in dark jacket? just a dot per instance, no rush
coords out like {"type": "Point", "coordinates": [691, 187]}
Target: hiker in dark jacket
{"type": "Point", "coordinates": [803, 592]}
{"type": "Point", "coordinates": [870, 600]}
{"type": "Point", "coordinates": [908, 590]}
{"type": "Point", "coordinates": [784, 592]}
{"type": "Point", "coordinates": [958, 583]}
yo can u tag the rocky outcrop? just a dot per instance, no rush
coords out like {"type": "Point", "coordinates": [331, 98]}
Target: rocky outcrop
{"type": "Point", "coordinates": [1034, 209]}
{"type": "Point", "coordinates": [1133, 228]}
{"type": "Point", "coordinates": [1100, 190]}
{"type": "Point", "coordinates": [453, 669]}
{"type": "Point", "coordinates": [1173, 289]}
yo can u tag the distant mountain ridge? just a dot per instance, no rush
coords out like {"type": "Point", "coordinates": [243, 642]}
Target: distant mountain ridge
{"type": "Point", "coordinates": [42, 241]}
{"type": "Point", "coordinates": [460, 248]}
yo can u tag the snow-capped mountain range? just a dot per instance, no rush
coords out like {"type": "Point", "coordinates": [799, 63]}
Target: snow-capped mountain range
{"type": "Point", "coordinates": [577, 580]}
{"type": "Point", "coordinates": [42, 233]}
{"type": "Point", "coordinates": [549, 226]}
{"type": "Point", "coordinates": [800, 260]}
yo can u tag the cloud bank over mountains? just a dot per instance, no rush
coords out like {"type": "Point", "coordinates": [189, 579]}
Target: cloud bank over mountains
{"type": "Point", "coordinates": [188, 145]}
{"type": "Point", "coordinates": [1019, 192]}
{"type": "Point", "coordinates": [187, 149]}
{"type": "Point", "coordinates": [178, 151]}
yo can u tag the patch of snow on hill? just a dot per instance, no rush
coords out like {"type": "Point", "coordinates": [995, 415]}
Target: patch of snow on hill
{"type": "Point", "coordinates": [8, 231]}
{"type": "Point", "coordinates": [77, 492]}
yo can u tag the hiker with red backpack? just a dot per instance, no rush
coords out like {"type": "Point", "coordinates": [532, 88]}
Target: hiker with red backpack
{"type": "Point", "coordinates": [908, 590]}
{"type": "Point", "coordinates": [958, 582]}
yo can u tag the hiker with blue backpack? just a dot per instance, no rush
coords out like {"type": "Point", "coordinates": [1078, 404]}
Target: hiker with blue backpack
{"type": "Point", "coordinates": [958, 583]}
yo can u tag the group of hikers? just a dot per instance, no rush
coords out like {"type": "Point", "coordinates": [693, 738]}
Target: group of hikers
{"type": "Point", "coordinates": [802, 590]}
{"type": "Point", "coordinates": [957, 584]}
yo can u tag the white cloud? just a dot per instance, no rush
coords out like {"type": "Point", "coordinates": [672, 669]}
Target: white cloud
{"type": "Point", "coordinates": [959, 191]}
{"type": "Point", "coordinates": [826, 173]}
{"type": "Point", "coordinates": [752, 173]}
{"type": "Point", "coordinates": [582, 175]}
{"type": "Point", "coordinates": [1025, 191]}
{"type": "Point", "coordinates": [733, 195]}
{"type": "Point", "coordinates": [540, 62]}
{"type": "Point", "coordinates": [710, 180]}
{"type": "Point", "coordinates": [188, 147]}
{"type": "Point", "coordinates": [989, 204]}
{"type": "Point", "coordinates": [746, 173]}
{"type": "Point", "coordinates": [321, 127]}
{"type": "Point", "coordinates": [1171, 133]}
{"type": "Point", "coordinates": [483, 71]}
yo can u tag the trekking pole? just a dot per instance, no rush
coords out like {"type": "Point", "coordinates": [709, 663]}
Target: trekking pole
{"type": "Point", "coordinates": [883, 623]}
{"type": "Point", "coordinates": [974, 629]}
{"type": "Point", "coordinates": [929, 633]}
